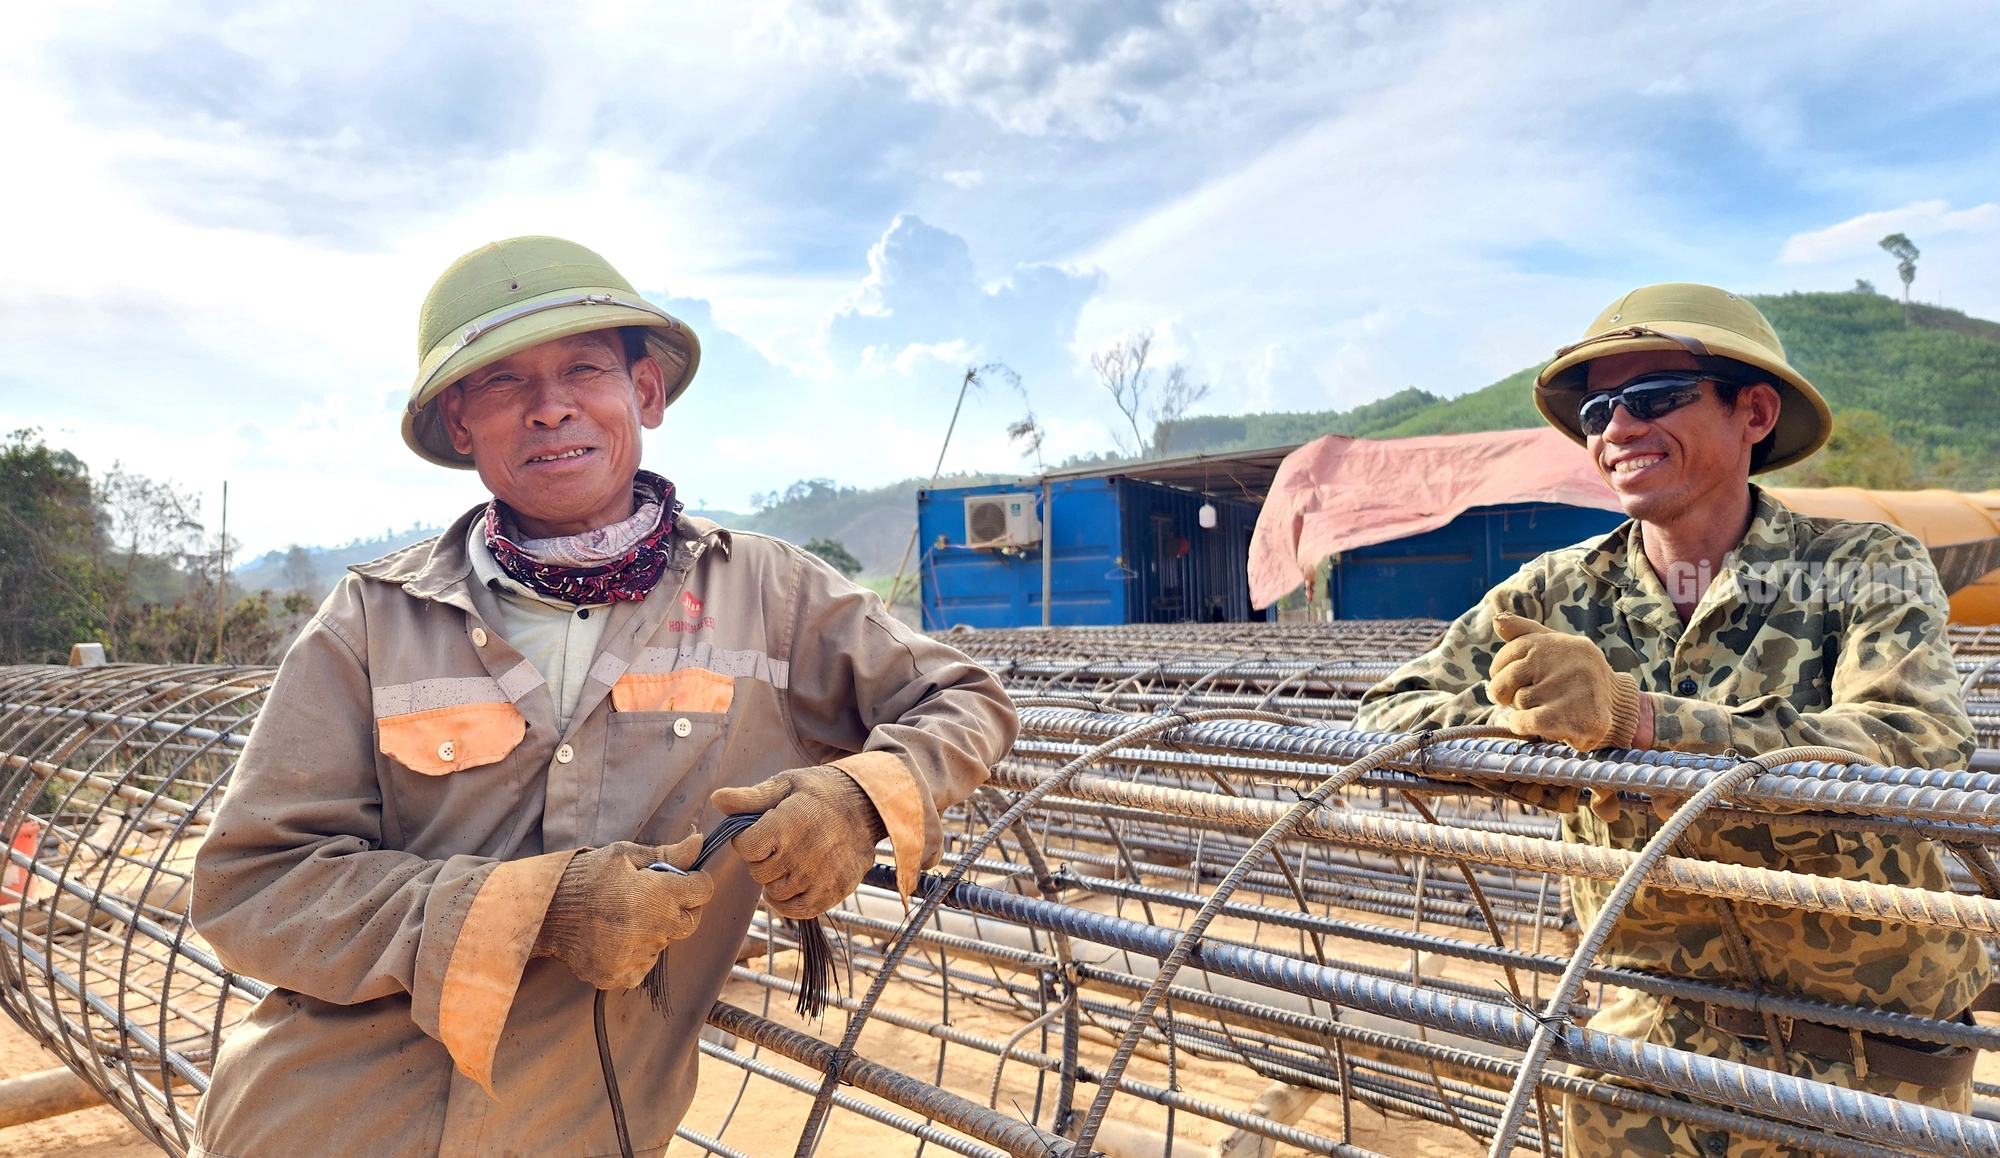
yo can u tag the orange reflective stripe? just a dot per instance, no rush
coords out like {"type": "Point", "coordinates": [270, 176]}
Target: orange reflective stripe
{"type": "Point", "coordinates": [892, 788]}
{"type": "Point", "coordinates": [493, 947]}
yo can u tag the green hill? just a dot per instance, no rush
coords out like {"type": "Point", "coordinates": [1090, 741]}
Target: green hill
{"type": "Point", "coordinates": [1935, 385]}
{"type": "Point", "coordinates": [1208, 432]}
{"type": "Point", "coordinates": [873, 523]}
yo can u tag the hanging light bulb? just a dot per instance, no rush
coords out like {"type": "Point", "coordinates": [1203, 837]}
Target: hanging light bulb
{"type": "Point", "coordinates": [1206, 516]}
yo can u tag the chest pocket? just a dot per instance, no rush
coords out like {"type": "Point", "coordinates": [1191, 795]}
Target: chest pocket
{"type": "Point", "coordinates": [667, 732]}
{"type": "Point", "coordinates": [690, 689]}
{"type": "Point", "coordinates": [449, 737]}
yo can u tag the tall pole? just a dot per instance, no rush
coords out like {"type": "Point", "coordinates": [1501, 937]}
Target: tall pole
{"type": "Point", "coordinates": [222, 572]}
{"type": "Point", "coordinates": [971, 376]}
{"type": "Point", "coordinates": [1048, 550]}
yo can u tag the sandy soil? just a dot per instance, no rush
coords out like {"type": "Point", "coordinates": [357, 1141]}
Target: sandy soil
{"type": "Point", "coordinates": [96, 1133]}
{"type": "Point", "coordinates": [767, 1117]}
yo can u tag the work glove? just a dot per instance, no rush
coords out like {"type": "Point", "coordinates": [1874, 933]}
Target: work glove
{"type": "Point", "coordinates": [1548, 797]}
{"type": "Point", "coordinates": [611, 916]}
{"type": "Point", "coordinates": [815, 842]}
{"type": "Point", "coordinates": [1561, 688]}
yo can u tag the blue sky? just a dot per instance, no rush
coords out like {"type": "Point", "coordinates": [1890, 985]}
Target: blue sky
{"type": "Point", "coordinates": [223, 217]}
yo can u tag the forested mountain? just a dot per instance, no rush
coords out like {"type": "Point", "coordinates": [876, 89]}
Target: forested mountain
{"type": "Point", "coordinates": [873, 523]}
{"type": "Point", "coordinates": [314, 570]}
{"type": "Point", "coordinates": [1934, 383]}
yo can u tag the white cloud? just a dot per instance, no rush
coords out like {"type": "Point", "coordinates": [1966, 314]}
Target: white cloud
{"type": "Point", "coordinates": [1458, 222]}
{"type": "Point", "coordinates": [1861, 236]}
{"type": "Point", "coordinates": [227, 218]}
{"type": "Point", "coordinates": [1381, 236]}
{"type": "Point", "coordinates": [1960, 249]}
{"type": "Point", "coordinates": [922, 290]}
{"type": "Point", "coordinates": [1102, 67]}
{"type": "Point", "coordinates": [1265, 373]}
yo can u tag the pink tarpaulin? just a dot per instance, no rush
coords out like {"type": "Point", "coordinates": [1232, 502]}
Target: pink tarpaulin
{"type": "Point", "coordinates": [1338, 493]}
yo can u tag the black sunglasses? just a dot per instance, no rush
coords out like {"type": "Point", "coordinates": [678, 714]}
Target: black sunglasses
{"type": "Point", "coordinates": [1644, 398]}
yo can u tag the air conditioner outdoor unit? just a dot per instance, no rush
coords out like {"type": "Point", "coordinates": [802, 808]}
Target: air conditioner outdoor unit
{"type": "Point", "coordinates": [993, 521]}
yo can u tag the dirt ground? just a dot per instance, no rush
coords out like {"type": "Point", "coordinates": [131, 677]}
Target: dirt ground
{"type": "Point", "coordinates": [767, 1118]}
{"type": "Point", "coordinates": [770, 1118]}
{"type": "Point", "coordinates": [95, 1133]}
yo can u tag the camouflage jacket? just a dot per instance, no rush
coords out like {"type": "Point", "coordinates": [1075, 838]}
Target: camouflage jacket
{"type": "Point", "coordinates": [1816, 631]}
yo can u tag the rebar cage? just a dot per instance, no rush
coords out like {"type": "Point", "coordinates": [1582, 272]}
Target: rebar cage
{"type": "Point", "coordinates": [1193, 913]}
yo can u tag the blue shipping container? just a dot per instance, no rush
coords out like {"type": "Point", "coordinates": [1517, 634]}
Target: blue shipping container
{"type": "Point", "coordinates": [1125, 551]}
{"type": "Point", "coordinates": [1441, 573]}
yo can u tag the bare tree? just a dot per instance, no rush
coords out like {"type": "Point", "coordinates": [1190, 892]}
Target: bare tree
{"type": "Point", "coordinates": [301, 577]}
{"type": "Point", "coordinates": [1123, 373]}
{"type": "Point", "coordinates": [1026, 432]}
{"type": "Point", "coordinates": [1121, 370]}
{"type": "Point", "coordinates": [1177, 397]}
{"type": "Point", "coordinates": [149, 521]}
{"type": "Point", "coordinates": [1905, 252]}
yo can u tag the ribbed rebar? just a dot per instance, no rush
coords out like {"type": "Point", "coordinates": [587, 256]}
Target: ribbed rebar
{"type": "Point", "coordinates": [856, 1022]}
{"type": "Point", "coordinates": [1910, 792]}
{"type": "Point", "coordinates": [1876, 1021]}
{"type": "Point", "coordinates": [1191, 937]}
{"type": "Point", "coordinates": [1556, 1014]}
{"type": "Point", "coordinates": [1859, 899]}
{"type": "Point", "coordinates": [915, 1094]}
{"type": "Point", "coordinates": [1796, 1100]}
{"type": "Point", "coordinates": [108, 777]}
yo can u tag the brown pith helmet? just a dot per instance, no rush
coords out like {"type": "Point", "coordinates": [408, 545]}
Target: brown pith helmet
{"type": "Point", "coordinates": [1707, 323]}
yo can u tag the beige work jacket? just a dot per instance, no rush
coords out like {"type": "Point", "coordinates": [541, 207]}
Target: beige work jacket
{"type": "Point", "coordinates": [406, 805]}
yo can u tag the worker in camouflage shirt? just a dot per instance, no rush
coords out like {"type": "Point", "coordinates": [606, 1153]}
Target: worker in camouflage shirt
{"type": "Point", "coordinates": [1716, 620]}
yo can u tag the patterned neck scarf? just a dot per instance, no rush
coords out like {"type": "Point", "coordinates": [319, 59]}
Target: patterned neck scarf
{"type": "Point", "coordinates": [617, 563]}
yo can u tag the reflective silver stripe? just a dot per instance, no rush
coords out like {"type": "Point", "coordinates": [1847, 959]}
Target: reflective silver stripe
{"type": "Point", "coordinates": [480, 329]}
{"type": "Point", "coordinates": [521, 679]}
{"type": "Point", "coordinates": [607, 669]}
{"type": "Point", "coordinates": [426, 695]}
{"type": "Point", "coordinates": [740, 664]}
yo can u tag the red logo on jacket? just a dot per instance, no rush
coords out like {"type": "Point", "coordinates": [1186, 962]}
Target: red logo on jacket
{"type": "Point", "coordinates": [695, 620]}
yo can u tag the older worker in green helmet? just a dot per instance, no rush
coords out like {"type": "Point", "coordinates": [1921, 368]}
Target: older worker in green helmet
{"type": "Point", "coordinates": [437, 842]}
{"type": "Point", "coordinates": [1716, 620]}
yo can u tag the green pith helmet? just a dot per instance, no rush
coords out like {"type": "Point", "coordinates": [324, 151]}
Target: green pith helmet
{"type": "Point", "coordinates": [508, 296]}
{"type": "Point", "coordinates": [1703, 321]}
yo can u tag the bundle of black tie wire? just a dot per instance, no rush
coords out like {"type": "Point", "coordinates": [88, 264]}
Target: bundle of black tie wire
{"type": "Point", "coordinates": [815, 968]}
